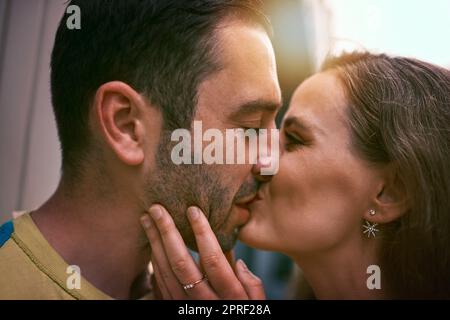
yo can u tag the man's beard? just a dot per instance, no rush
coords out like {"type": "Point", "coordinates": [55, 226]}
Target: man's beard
{"type": "Point", "coordinates": [177, 187]}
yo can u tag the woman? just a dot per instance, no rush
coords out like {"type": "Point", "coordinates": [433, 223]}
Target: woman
{"type": "Point", "coordinates": [363, 183]}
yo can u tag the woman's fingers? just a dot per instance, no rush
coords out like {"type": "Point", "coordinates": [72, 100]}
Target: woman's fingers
{"type": "Point", "coordinates": [174, 266]}
{"type": "Point", "coordinates": [160, 282]}
{"type": "Point", "coordinates": [252, 284]}
{"type": "Point", "coordinates": [220, 273]}
{"type": "Point", "coordinates": [167, 278]}
{"type": "Point", "coordinates": [179, 259]}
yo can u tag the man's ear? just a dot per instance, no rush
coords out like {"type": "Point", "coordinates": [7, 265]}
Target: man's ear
{"type": "Point", "coordinates": [391, 199]}
{"type": "Point", "coordinates": [120, 113]}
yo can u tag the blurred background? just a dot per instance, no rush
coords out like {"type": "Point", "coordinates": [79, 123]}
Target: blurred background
{"type": "Point", "coordinates": [305, 32]}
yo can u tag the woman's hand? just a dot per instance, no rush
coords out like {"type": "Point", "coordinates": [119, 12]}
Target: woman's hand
{"type": "Point", "coordinates": [175, 268]}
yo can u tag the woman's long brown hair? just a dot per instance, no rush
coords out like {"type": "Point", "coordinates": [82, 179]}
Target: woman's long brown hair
{"type": "Point", "coordinates": [399, 114]}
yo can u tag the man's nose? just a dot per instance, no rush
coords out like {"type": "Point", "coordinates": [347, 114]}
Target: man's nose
{"type": "Point", "coordinates": [256, 169]}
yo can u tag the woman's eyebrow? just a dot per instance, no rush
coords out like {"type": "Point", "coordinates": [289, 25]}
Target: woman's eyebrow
{"type": "Point", "coordinates": [302, 124]}
{"type": "Point", "coordinates": [297, 122]}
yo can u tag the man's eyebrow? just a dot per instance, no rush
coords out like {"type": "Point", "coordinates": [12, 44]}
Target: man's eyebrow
{"type": "Point", "coordinates": [257, 106]}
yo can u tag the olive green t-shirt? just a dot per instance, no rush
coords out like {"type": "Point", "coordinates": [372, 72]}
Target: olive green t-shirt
{"type": "Point", "coordinates": [31, 269]}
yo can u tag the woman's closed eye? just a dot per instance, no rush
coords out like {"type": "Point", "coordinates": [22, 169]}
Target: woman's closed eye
{"type": "Point", "coordinates": [292, 141]}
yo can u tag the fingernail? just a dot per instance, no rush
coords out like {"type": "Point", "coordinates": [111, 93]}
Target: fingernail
{"type": "Point", "coordinates": [243, 265]}
{"type": "Point", "coordinates": [193, 213]}
{"type": "Point", "coordinates": [155, 212]}
{"type": "Point", "coordinates": [145, 220]}
{"type": "Point", "coordinates": [244, 268]}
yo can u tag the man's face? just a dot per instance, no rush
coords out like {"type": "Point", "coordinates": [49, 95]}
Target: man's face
{"type": "Point", "coordinates": [244, 94]}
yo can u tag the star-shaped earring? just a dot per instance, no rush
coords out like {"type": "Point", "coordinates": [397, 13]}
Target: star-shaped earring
{"type": "Point", "coordinates": [370, 230]}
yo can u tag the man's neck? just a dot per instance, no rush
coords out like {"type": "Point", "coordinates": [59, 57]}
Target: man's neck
{"type": "Point", "coordinates": [100, 235]}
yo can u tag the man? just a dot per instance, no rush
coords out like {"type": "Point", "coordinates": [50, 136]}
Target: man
{"type": "Point", "coordinates": [133, 73]}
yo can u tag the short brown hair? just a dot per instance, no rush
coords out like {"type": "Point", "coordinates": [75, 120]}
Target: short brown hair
{"type": "Point", "coordinates": [162, 48]}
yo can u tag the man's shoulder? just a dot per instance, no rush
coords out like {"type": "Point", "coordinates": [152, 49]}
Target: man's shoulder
{"type": "Point", "coordinates": [20, 277]}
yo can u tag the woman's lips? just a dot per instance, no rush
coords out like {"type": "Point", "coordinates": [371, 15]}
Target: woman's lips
{"type": "Point", "coordinates": [243, 208]}
{"type": "Point", "coordinates": [242, 215]}
{"type": "Point", "coordinates": [258, 197]}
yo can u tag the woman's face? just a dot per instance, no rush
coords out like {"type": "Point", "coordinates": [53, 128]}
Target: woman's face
{"type": "Point", "coordinates": [322, 190]}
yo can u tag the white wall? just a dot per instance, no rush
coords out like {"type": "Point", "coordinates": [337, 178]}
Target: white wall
{"type": "Point", "coordinates": [29, 149]}
{"type": "Point", "coordinates": [416, 28]}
